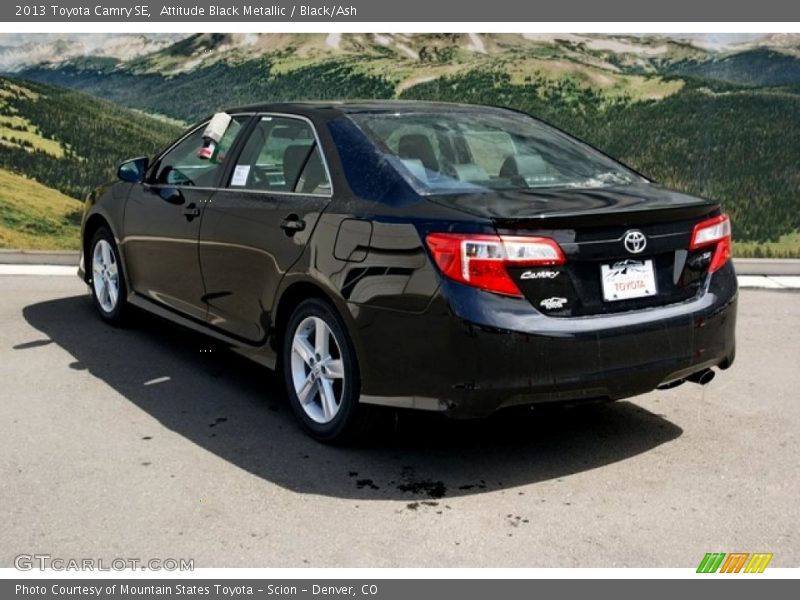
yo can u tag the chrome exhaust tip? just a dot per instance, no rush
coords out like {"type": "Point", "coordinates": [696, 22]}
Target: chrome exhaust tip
{"type": "Point", "coordinates": [703, 377]}
{"type": "Point", "coordinates": [671, 384]}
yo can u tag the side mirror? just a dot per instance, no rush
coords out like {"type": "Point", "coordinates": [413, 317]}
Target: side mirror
{"type": "Point", "coordinates": [133, 170]}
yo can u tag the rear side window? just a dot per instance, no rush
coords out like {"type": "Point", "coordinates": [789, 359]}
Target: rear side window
{"type": "Point", "coordinates": [182, 165]}
{"type": "Point", "coordinates": [281, 155]}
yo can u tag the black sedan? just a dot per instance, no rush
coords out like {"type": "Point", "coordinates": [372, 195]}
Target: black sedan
{"type": "Point", "coordinates": [431, 256]}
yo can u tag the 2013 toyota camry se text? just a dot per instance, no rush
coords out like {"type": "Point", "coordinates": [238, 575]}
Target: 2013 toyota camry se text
{"type": "Point", "coordinates": [440, 257]}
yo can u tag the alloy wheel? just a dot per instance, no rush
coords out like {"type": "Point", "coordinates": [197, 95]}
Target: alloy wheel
{"type": "Point", "coordinates": [317, 369]}
{"type": "Point", "coordinates": [105, 276]}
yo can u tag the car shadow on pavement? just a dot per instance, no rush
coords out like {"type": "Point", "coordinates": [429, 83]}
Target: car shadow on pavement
{"type": "Point", "coordinates": [237, 410]}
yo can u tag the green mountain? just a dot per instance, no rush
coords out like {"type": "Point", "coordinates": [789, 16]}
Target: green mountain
{"type": "Point", "coordinates": [206, 71]}
{"type": "Point", "coordinates": [719, 122]}
{"type": "Point", "coordinates": [758, 67]}
{"type": "Point", "coordinates": [71, 141]}
{"type": "Point", "coordinates": [189, 96]}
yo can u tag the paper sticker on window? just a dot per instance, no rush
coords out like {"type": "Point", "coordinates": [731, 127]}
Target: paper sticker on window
{"type": "Point", "coordinates": [240, 175]}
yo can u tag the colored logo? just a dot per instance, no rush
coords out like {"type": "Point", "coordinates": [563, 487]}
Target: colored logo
{"type": "Point", "coordinates": [735, 562]}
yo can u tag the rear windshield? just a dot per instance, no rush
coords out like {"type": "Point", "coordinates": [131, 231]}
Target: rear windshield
{"type": "Point", "coordinates": [473, 151]}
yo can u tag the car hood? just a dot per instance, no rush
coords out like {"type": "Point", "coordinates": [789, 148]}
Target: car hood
{"type": "Point", "coordinates": [585, 204]}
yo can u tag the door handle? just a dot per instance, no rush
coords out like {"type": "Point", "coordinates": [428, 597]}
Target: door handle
{"type": "Point", "coordinates": [292, 224]}
{"type": "Point", "coordinates": [191, 211]}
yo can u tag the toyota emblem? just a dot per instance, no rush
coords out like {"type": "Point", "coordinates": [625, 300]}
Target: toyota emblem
{"type": "Point", "coordinates": [634, 241]}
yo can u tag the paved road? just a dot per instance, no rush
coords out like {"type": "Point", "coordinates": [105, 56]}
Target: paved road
{"type": "Point", "coordinates": [149, 442]}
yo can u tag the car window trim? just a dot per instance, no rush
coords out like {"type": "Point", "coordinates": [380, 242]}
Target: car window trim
{"type": "Point", "coordinates": [318, 143]}
{"type": "Point", "coordinates": [180, 140]}
{"type": "Point", "coordinates": [227, 188]}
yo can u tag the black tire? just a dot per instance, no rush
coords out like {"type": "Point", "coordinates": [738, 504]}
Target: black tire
{"type": "Point", "coordinates": [118, 314]}
{"type": "Point", "coordinates": [352, 418]}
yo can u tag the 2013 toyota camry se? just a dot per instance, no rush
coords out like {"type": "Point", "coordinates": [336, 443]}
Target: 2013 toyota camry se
{"type": "Point", "coordinates": [432, 256]}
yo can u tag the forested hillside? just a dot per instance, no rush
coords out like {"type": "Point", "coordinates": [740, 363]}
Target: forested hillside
{"type": "Point", "coordinates": [722, 124]}
{"type": "Point", "coordinates": [760, 67]}
{"type": "Point", "coordinates": [190, 95]}
{"type": "Point", "coordinates": [71, 141]}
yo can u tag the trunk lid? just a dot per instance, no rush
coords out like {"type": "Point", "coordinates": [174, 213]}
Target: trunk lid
{"type": "Point", "coordinates": [576, 205]}
{"type": "Point", "coordinates": [591, 226]}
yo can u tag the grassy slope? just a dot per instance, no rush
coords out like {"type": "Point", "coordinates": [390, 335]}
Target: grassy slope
{"type": "Point", "coordinates": [33, 216]}
{"type": "Point", "coordinates": [788, 246]}
{"type": "Point", "coordinates": [55, 146]}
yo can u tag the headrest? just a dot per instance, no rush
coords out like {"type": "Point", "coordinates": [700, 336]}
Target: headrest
{"type": "Point", "coordinates": [523, 165]}
{"type": "Point", "coordinates": [418, 146]}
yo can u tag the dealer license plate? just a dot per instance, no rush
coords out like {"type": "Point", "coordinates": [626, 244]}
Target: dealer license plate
{"type": "Point", "coordinates": [628, 279]}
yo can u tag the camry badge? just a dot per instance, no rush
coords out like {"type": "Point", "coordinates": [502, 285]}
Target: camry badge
{"type": "Point", "coordinates": [634, 241]}
{"type": "Point", "coordinates": [539, 275]}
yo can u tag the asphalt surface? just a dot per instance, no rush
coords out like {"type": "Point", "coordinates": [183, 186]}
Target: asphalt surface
{"type": "Point", "coordinates": [150, 442]}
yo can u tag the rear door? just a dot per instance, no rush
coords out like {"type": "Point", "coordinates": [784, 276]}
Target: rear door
{"type": "Point", "coordinates": [162, 222]}
{"type": "Point", "coordinates": [257, 225]}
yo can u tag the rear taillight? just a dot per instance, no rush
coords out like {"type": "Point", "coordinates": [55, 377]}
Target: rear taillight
{"type": "Point", "coordinates": [481, 260]}
{"type": "Point", "coordinates": [716, 233]}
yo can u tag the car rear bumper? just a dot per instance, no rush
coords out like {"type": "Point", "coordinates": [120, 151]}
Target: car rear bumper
{"type": "Point", "coordinates": [472, 353]}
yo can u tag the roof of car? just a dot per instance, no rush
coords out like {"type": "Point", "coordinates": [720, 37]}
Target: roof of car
{"type": "Point", "coordinates": [358, 106]}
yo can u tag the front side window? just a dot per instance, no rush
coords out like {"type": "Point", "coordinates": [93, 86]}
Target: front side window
{"type": "Point", "coordinates": [474, 151]}
{"type": "Point", "coordinates": [281, 155]}
{"type": "Point", "coordinates": [183, 165]}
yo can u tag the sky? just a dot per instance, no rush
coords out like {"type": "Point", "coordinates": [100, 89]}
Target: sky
{"type": "Point", "coordinates": [89, 39]}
